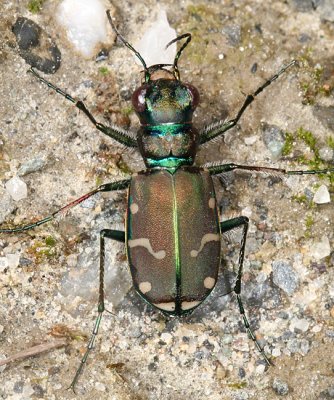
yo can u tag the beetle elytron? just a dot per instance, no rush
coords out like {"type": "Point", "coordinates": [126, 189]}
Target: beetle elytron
{"type": "Point", "coordinates": [173, 269]}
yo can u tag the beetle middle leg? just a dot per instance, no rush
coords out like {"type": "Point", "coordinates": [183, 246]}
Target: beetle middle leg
{"type": "Point", "coordinates": [213, 130]}
{"type": "Point", "coordinates": [279, 172]}
{"type": "Point", "coordinates": [227, 226]}
{"type": "Point", "coordinates": [119, 236]}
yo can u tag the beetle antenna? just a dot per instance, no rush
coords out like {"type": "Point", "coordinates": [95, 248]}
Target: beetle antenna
{"type": "Point", "coordinates": [185, 44]}
{"type": "Point", "coordinates": [128, 45]}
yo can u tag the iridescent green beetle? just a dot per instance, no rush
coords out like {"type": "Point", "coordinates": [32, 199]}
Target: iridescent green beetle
{"type": "Point", "coordinates": [173, 232]}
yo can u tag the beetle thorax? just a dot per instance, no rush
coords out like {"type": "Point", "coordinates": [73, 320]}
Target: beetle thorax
{"type": "Point", "coordinates": [165, 108]}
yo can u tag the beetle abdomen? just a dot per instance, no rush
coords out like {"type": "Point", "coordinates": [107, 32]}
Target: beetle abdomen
{"type": "Point", "coordinates": [173, 239]}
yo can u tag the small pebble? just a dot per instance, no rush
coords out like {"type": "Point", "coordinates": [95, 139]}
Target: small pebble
{"type": "Point", "coordinates": [300, 346]}
{"type": "Point", "coordinates": [31, 166]}
{"type": "Point", "coordinates": [3, 367]}
{"type": "Point", "coordinates": [250, 140]}
{"type": "Point", "coordinates": [280, 387]}
{"type": "Point", "coordinates": [241, 396]}
{"type": "Point", "coordinates": [276, 352]}
{"type": "Point", "coordinates": [152, 45]}
{"type": "Point", "coordinates": [13, 260]}
{"type": "Point", "coordinates": [285, 277]}
{"type": "Point", "coordinates": [322, 196]}
{"type": "Point", "coordinates": [274, 139]}
{"type": "Point", "coordinates": [320, 250]}
{"type": "Point", "coordinates": [300, 324]}
{"type": "Point", "coordinates": [325, 114]}
{"type": "Point", "coordinates": [17, 188]}
{"type": "Point", "coordinates": [254, 68]}
{"type": "Point", "coordinates": [260, 369]}
{"type": "Point", "coordinates": [36, 46]}
{"type": "Point", "coordinates": [85, 23]}
{"type": "Point", "coordinates": [233, 34]}
{"type": "Point", "coordinates": [6, 204]}
{"type": "Point", "coordinates": [326, 153]}
{"type": "Point", "coordinates": [326, 10]}
{"type": "Point", "coordinates": [330, 392]}
{"type": "Point", "coordinates": [100, 387]}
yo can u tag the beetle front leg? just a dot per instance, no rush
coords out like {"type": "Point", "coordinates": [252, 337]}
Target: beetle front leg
{"type": "Point", "coordinates": [119, 236]}
{"type": "Point", "coordinates": [212, 131]}
{"type": "Point", "coordinates": [116, 133]}
{"type": "Point", "coordinates": [227, 226]}
{"type": "Point", "coordinates": [118, 185]}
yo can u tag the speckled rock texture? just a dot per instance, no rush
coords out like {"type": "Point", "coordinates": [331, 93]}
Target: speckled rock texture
{"type": "Point", "coordinates": [49, 276]}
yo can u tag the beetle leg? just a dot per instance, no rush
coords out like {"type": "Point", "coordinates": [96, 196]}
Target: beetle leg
{"type": "Point", "coordinates": [120, 237]}
{"type": "Point", "coordinates": [279, 172]}
{"type": "Point", "coordinates": [212, 131]}
{"type": "Point", "coordinates": [120, 135]}
{"type": "Point", "coordinates": [226, 226]}
{"type": "Point", "coordinates": [107, 187]}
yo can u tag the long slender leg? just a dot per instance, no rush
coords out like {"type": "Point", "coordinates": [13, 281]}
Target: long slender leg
{"type": "Point", "coordinates": [116, 133]}
{"type": "Point", "coordinates": [120, 237]}
{"type": "Point", "coordinates": [221, 168]}
{"type": "Point", "coordinates": [118, 185]}
{"type": "Point", "coordinates": [216, 129]}
{"type": "Point", "coordinates": [226, 226]}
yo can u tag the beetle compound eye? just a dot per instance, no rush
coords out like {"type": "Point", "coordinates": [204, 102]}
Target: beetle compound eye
{"type": "Point", "coordinates": [138, 99]}
{"type": "Point", "coordinates": [194, 94]}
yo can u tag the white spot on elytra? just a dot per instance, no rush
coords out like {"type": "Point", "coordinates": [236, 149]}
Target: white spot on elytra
{"type": "Point", "coordinates": [187, 305]}
{"type": "Point", "coordinates": [165, 306]}
{"type": "Point", "coordinates": [209, 237]}
{"type": "Point", "coordinates": [209, 282]}
{"type": "Point", "coordinates": [143, 242]}
{"type": "Point", "coordinates": [145, 287]}
{"type": "Point", "coordinates": [134, 208]}
{"type": "Point", "coordinates": [212, 202]}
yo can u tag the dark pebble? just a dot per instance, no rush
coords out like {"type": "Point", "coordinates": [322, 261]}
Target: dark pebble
{"type": "Point", "coordinates": [38, 391]}
{"type": "Point", "coordinates": [280, 387]}
{"type": "Point", "coordinates": [303, 5]}
{"type": "Point", "coordinates": [18, 387]}
{"type": "Point", "coordinates": [33, 42]}
{"type": "Point", "coordinates": [102, 55]}
{"type": "Point", "coordinates": [304, 37]}
{"type": "Point", "coordinates": [254, 68]}
{"type": "Point", "coordinates": [325, 115]}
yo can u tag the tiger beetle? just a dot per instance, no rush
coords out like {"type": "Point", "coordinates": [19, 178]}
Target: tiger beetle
{"type": "Point", "coordinates": [174, 267]}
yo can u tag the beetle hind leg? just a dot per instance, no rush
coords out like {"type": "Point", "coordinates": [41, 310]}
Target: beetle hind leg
{"type": "Point", "coordinates": [227, 226]}
{"type": "Point", "coordinates": [120, 237]}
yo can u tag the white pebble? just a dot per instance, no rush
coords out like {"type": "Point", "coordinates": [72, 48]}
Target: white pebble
{"type": "Point", "coordinates": [13, 260]}
{"type": "Point", "coordinates": [16, 188]}
{"type": "Point", "coordinates": [166, 337]}
{"type": "Point", "coordinates": [100, 387]}
{"type": "Point", "coordinates": [322, 196]}
{"type": "Point", "coordinates": [85, 23]}
{"type": "Point", "coordinates": [259, 370]}
{"type": "Point", "coordinates": [321, 249]}
{"type": "Point", "coordinates": [276, 352]}
{"type": "Point", "coordinates": [249, 140]}
{"type": "Point", "coordinates": [152, 44]}
{"type": "Point", "coordinates": [300, 324]}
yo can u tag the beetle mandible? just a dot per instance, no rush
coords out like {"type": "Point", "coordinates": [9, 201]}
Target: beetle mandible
{"type": "Point", "coordinates": [171, 269]}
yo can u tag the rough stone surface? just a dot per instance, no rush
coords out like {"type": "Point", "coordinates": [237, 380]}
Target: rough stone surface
{"type": "Point", "coordinates": [139, 353]}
